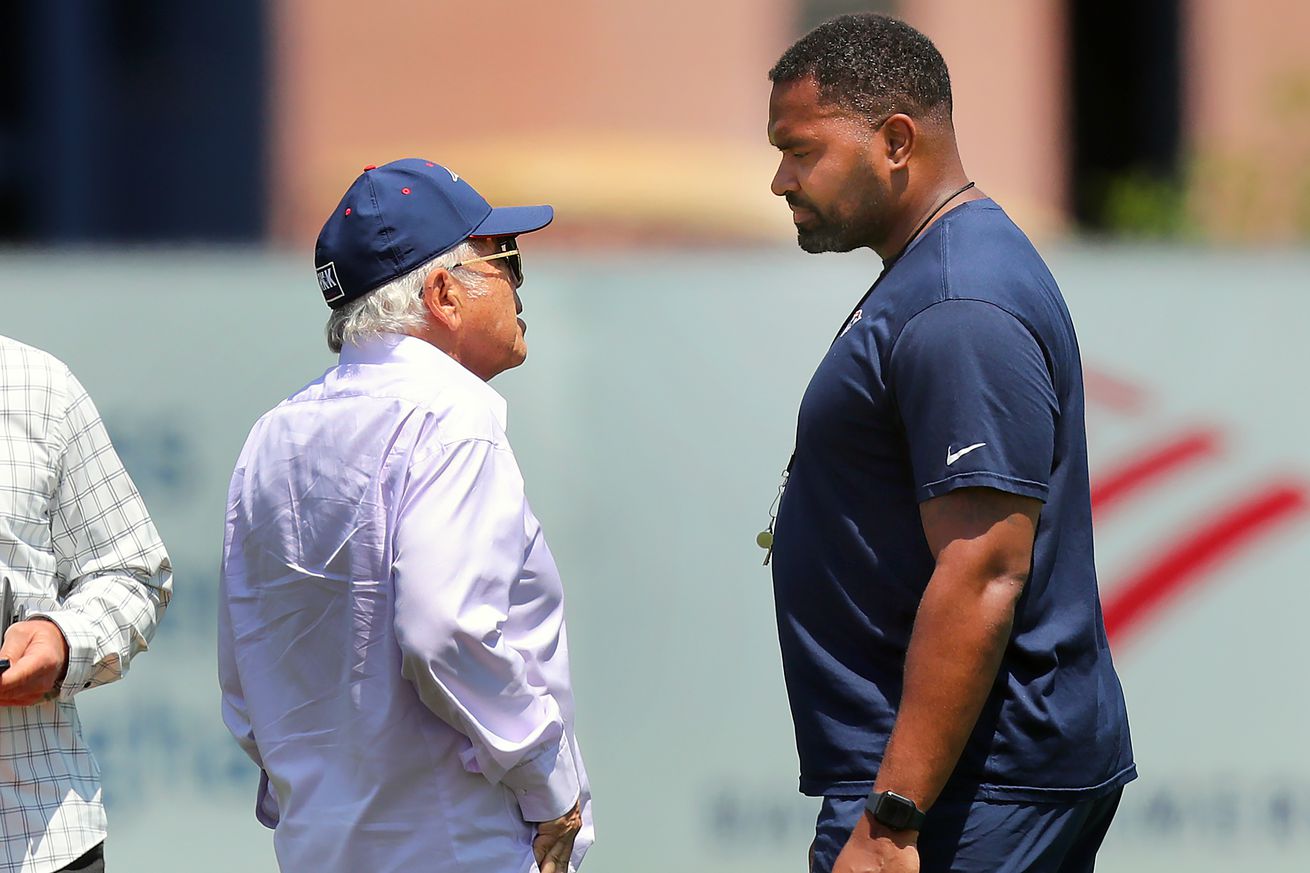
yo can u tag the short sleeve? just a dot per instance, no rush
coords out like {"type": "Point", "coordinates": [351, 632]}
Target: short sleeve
{"type": "Point", "coordinates": [976, 400]}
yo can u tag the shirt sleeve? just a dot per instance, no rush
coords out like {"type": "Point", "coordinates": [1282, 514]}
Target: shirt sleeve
{"type": "Point", "coordinates": [461, 541]}
{"type": "Point", "coordinates": [976, 401]}
{"type": "Point", "coordinates": [236, 715]}
{"type": "Point", "coordinates": [116, 578]}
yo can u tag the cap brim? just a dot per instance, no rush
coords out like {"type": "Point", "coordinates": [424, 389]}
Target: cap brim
{"type": "Point", "coordinates": [512, 220]}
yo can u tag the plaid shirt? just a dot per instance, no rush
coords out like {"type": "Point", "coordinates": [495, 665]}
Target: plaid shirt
{"type": "Point", "coordinates": [79, 549]}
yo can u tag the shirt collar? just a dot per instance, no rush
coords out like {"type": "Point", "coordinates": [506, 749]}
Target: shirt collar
{"type": "Point", "coordinates": [392, 348]}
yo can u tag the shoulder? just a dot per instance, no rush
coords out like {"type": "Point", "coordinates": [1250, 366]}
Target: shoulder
{"type": "Point", "coordinates": [49, 385]}
{"type": "Point", "coordinates": [422, 410]}
{"type": "Point", "coordinates": [963, 328]}
{"type": "Point", "coordinates": [972, 252]}
{"type": "Point", "coordinates": [973, 268]}
{"type": "Point", "coordinates": [986, 256]}
{"type": "Point", "coordinates": [462, 415]}
{"type": "Point", "coordinates": [24, 363]}
{"type": "Point", "coordinates": [460, 406]}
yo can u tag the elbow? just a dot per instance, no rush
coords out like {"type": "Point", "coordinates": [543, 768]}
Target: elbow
{"type": "Point", "coordinates": [1002, 589]}
{"type": "Point", "coordinates": [447, 645]}
{"type": "Point", "coordinates": [1009, 571]}
{"type": "Point", "coordinates": [987, 584]}
{"type": "Point", "coordinates": [1002, 576]}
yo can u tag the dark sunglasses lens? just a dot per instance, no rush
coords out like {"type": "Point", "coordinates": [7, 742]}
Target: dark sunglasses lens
{"type": "Point", "coordinates": [515, 261]}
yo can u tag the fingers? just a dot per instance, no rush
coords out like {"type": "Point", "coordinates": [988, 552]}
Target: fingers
{"type": "Point", "coordinates": [540, 845]}
{"type": "Point", "coordinates": [553, 845]}
{"type": "Point", "coordinates": [543, 851]}
{"type": "Point", "coordinates": [557, 859]}
{"type": "Point", "coordinates": [34, 666]}
{"type": "Point", "coordinates": [15, 641]}
{"type": "Point", "coordinates": [14, 681]}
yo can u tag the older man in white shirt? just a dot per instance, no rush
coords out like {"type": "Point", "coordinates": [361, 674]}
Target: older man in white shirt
{"type": "Point", "coordinates": [391, 632]}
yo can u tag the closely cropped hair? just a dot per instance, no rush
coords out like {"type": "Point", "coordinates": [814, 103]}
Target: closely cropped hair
{"type": "Point", "coordinates": [397, 307]}
{"type": "Point", "coordinates": [873, 65]}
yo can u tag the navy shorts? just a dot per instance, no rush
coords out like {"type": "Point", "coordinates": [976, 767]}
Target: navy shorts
{"type": "Point", "coordinates": [985, 836]}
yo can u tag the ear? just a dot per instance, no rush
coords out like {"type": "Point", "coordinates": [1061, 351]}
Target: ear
{"type": "Point", "coordinates": [443, 298]}
{"type": "Point", "coordinates": [900, 134]}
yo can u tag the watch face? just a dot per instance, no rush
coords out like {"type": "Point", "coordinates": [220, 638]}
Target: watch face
{"type": "Point", "coordinates": [893, 812]}
{"type": "Point", "coordinates": [896, 812]}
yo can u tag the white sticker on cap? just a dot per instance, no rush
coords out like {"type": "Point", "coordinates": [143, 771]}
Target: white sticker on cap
{"type": "Point", "coordinates": [454, 177]}
{"type": "Point", "coordinates": [328, 284]}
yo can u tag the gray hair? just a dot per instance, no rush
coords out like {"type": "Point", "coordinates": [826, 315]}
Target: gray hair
{"type": "Point", "coordinates": [397, 307]}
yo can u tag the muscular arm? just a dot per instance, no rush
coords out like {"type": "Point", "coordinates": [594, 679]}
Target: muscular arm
{"type": "Point", "coordinates": [982, 540]}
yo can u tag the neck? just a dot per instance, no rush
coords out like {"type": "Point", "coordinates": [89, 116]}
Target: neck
{"type": "Point", "coordinates": [443, 340]}
{"type": "Point", "coordinates": [942, 195]}
{"type": "Point", "coordinates": [448, 342]}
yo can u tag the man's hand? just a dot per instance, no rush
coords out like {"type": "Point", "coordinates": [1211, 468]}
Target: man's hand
{"type": "Point", "coordinates": [872, 848]}
{"type": "Point", "coordinates": [38, 658]}
{"type": "Point", "coordinates": [553, 845]}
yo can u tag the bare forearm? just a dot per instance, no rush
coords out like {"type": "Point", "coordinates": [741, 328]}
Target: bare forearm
{"type": "Point", "coordinates": [982, 541]}
{"type": "Point", "coordinates": [960, 634]}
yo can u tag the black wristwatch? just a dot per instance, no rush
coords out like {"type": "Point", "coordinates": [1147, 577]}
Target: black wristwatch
{"type": "Point", "coordinates": [896, 812]}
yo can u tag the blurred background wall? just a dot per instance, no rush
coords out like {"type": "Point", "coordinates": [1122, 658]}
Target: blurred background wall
{"type": "Point", "coordinates": [164, 170]}
{"type": "Point", "coordinates": [143, 120]}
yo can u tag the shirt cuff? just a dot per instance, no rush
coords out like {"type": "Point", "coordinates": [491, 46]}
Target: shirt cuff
{"type": "Point", "coordinates": [79, 633]}
{"type": "Point", "coordinates": [266, 808]}
{"type": "Point", "coordinates": [546, 786]}
{"type": "Point", "coordinates": [984, 479]}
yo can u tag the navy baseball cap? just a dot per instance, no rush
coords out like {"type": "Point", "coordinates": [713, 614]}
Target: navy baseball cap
{"type": "Point", "coordinates": [395, 217]}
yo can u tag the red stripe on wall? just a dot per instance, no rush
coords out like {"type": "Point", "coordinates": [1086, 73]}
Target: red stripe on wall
{"type": "Point", "coordinates": [1113, 393]}
{"type": "Point", "coordinates": [1183, 564]}
{"type": "Point", "coordinates": [1111, 489]}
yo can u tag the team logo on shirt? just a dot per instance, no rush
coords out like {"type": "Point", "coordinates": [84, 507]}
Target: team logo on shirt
{"type": "Point", "coordinates": [856, 316]}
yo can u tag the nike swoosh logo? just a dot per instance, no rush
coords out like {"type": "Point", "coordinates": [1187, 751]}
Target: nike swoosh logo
{"type": "Point", "coordinates": [952, 457]}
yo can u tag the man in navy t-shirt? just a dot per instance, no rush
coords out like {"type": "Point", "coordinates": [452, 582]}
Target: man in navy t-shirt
{"type": "Point", "coordinates": [950, 682]}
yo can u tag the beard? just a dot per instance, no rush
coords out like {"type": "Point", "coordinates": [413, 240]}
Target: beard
{"type": "Point", "coordinates": [856, 220]}
{"type": "Point", "coordinates": [828, 235]}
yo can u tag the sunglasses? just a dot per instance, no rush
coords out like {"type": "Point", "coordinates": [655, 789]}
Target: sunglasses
{"type": "Point", "coordinates": [507, 248]}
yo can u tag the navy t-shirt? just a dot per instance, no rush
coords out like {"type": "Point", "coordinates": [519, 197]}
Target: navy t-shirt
{"type": "Point", "coordinates": [959, 370]}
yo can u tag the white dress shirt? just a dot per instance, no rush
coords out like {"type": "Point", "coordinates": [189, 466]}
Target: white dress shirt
{"type": "Point", "coordinates": [391, 629]}
{"type": "Point", "coordinates": [79, 549]}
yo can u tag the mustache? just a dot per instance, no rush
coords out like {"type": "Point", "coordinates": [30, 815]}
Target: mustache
{"type": "Point", "coordinates": [798, 202]}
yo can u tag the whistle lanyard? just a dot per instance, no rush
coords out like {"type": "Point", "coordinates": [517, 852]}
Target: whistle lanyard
{"type": "Point", "coordinates": [765, 537]}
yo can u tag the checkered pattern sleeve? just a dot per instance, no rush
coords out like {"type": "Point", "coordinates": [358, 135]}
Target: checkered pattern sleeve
{"type": "Point", "coordinates": [116, 576]}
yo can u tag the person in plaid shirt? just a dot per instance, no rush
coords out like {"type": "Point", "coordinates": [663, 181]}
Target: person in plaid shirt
{"type": "Point", "coordinates": [90, 580]}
